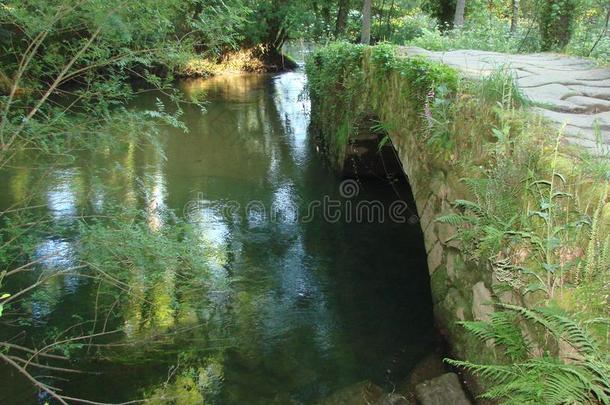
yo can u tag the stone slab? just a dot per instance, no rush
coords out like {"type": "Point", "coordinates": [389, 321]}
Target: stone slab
{"type": "Point", "coordinates": [443, 390]}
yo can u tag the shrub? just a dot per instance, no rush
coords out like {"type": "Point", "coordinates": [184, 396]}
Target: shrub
{"type": "Point", "coordinates": [556, 21]}
{"type": "Point", "coordinates": [489, 35]}
{"type": "Point", "coordinates": [413, 26]}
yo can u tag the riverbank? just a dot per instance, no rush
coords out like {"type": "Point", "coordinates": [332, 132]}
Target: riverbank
{"type": "Point", "coordinates": [258, 59]}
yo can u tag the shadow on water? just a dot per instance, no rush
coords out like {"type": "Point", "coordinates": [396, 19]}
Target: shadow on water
{"type": "Point", "coordinates": [298, 307]}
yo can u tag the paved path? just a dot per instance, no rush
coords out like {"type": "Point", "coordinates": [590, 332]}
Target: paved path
{"type": "Point", "coordinates": [566, 90]}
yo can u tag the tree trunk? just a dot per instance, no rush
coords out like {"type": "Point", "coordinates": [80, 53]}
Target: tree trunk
{"type": "Point", "coordinates": [458, 20]}
{"type": "Point", "coordinates": [341, 18]}
{"type": "Point", "coordinates": [515, 20]}
{"type": "Point", "coordinates": [366, 23]}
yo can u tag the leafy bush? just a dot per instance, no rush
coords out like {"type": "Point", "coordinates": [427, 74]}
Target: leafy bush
{"type": "Point", "coordinates": [411, 26]}
{"type": "Point", "coordinates": [591, 37]}
{"type": "Point", "coordinates": [335, 69]}
{"type": "Point", "coordinates": [490, 35]}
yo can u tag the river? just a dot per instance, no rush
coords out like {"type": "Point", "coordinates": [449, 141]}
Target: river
{"type": "Point", "coordinates": [297, 306]}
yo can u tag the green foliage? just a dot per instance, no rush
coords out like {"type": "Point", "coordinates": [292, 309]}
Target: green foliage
{"type": "Point", "coordinates": [578, 26]}
{"type": "Point", "coordinates": [590, 37]}
{"type": "Point", "coordinates": [442, 10]}
{"type": "Point", "coordinates": [219, 25]}
{"type": "Point", "coordinates": [411, 26]}
{"type": "Point", "coordinates": [333, 70]}
{"type": "Point", "coordinates": [488, 35]}
{"type": "Point", "coordinates": [339, 60]}
{"type": "Point", "coordinates": [596, 262]}
{"type": "Point", "coordinates": [479, 228]}
{"type": "Point", "coordinates": [538, 248]}
{"type": "Point", "coordinates": [431, 89]}
{"type": "Point", "coordinates": [424, 76]}
{"type": "Point", "coordinates": [123, 249]}
{"type": "Point", "coordinates": [556, 19]}
{"type": "Point", "coordinates": [72, 66]}
{"type": "Point", "coordinates": [504, 330]}
{"type": "Point", "coordinates": [578, 373]}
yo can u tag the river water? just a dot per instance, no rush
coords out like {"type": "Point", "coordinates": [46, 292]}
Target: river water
{"type": "Point", "coordinates": [303, 306]}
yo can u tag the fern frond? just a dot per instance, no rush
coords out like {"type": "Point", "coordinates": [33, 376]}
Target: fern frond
{"type": "Point", "coordinates": [469, 206]}
{"type": "Point", "coordinates": [496, 373]}
{"type": "Point", "coordinates": [453, 219]}
{"type": "Point", "coordinates": [503, 330]}
{"type": "Point", "coordinates": [477, 186]}
{"type": "Point", "coordinates": [584, 379]}
{"type": "Point", "coordinates": [568, 329]}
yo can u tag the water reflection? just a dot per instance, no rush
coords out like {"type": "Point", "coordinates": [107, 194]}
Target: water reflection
{"type": "Point", "coordinates": [287, 311]}
{"type": "Point", "coordinates": [155, 198]}
{"type": "Point", "coordinates": [61, 195]}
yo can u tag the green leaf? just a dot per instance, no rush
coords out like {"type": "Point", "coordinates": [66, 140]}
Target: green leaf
{"type": "Point", "coordinates": [551, 268]}
{"type": "Point", "coordinates": [533, 287]}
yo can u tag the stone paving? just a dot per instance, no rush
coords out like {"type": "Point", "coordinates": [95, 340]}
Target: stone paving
{"type": "Point", "coordinates": [566, 90]}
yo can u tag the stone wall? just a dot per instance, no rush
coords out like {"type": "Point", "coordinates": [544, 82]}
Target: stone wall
{"type": "Point", "coordinates": [461, 290]}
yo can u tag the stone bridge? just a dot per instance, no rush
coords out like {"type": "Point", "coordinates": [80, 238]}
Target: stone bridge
{"type": "Point", "coordinates": [354, 89]}
{"type": "Point", "coordinates": [568, 91]}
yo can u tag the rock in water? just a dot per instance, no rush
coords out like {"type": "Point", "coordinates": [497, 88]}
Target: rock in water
{"type": "Point", "coordinates": [442, 390]}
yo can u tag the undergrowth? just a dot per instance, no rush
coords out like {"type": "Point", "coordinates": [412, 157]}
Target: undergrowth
{"type": "Point", "coordinates": [579, 375]}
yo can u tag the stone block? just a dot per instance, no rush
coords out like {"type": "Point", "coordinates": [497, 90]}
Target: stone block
{"type": "Point", "coordinates": [445, 233]}
{"type": "Point", "coordinates": [394, 399]}
{"type": "Point", "coordinates": [429, 211]}
{"type": "Point", "coordinates": [452, 271]}
{"type": "Point", "coordinates": [482, 305]}
{"type": "Point", "coordinates": [435, 257]}
{"type": "Point", "coordinates": [443, 390]}
{"type": "Point", "coordinates": [439, 287]}
{"type": "Point", "coordinates": [430, 238]}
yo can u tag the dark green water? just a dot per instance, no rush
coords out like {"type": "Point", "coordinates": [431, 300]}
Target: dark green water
{"type": "Point", "coordinates": [296, 309]}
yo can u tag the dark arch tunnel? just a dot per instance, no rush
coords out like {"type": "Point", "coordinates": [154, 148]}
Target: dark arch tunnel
{"type": "Point", "coordinates": [372, 160]}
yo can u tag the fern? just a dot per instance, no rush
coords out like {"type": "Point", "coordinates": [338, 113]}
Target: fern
{"type": "Point", "coordinates": [596, 256]}
{"type": "Point", "coordinates": [469, 206]}
{"type": "Point", "coordinates": [501, 329]}
{"type": "Point", "coordinates": [455, 219]}
{"type": "Point", "coordinates": [583, 378]}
